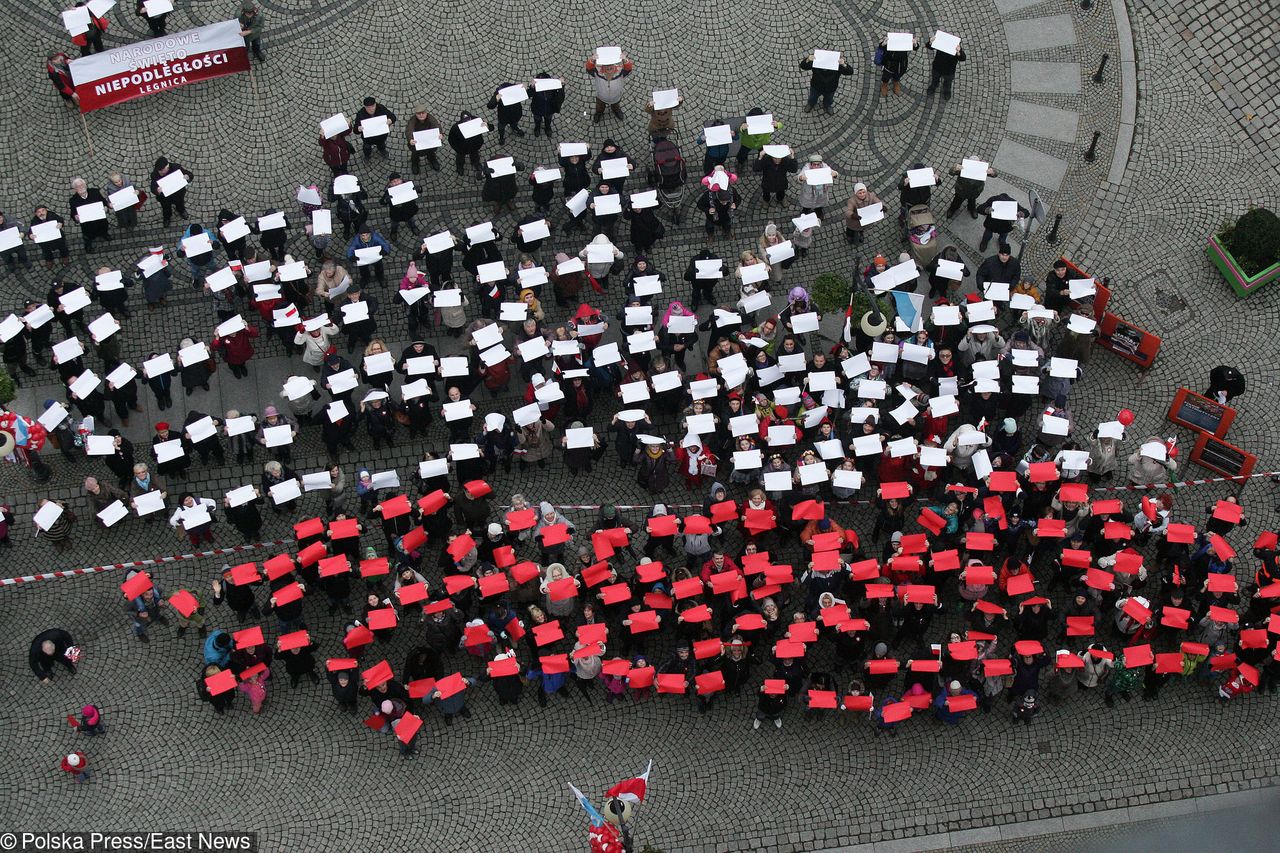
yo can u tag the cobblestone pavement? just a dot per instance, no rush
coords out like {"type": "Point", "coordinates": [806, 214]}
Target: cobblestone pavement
{"type": "Point", "coordinates": [305, 775]}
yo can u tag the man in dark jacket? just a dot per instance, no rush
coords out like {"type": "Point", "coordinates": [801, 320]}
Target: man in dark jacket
{"type": "Point", "coordinates": [545, 104]}
{"type": "Point", "coordinates": [823, 82]}
{"type": "Point", "coordinates": [1001, 266]}
{"type": "Point", "coordinates": [508, 114]}
{"type": "Point", "coordinates": [50, 647]}
{"type": "Point", "coordinates": [372, 109]}
{"type": "Point", "coordinates": [421, 120]}
{"type": "Point", "coordinates": [465, 148]}
{"type": "Point", "coordinates": [703, 289]}
{"type": "Point", "coordinates": [944, 70]}
{"type": "Point", "coordinates": [1000, 227]}
{"type": "Point", "coordinates": [967, 192]}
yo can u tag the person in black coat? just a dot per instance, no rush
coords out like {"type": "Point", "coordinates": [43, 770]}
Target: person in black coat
{"type": "Point", "coordinates": [646, 228]}
{"type": "Point", "coordinates": [370, 109]}
{"type": "Point", "coordinates": [15, 355]}
{"type": "Point", "coordinates": [51, 247]}
{"type": "Point", "coordinates": [93, 404]}
{"type": "Point", "coordinates": [500, 190]}
{"type": "Point", "coordinates": [718, 206]}
{"type": "Point", "coordinates": [1000, 227]}
{"type": "Point", "coordinates": [466, 149]}
{"type": "Point", "coordinates": [775, 175]}
{"type": "Point", "coordinates": [400, 214]}
{"type": "Point", "coordinates": [379, 421]}
{"type": "Point", "coordinates": [508, 114]}
{"type": "Point", "coordinates": [83, 195]}
{"type": "Point", "coordinates": [174, 201]}
{"type": "Point", "coordinates": [702, 290]}
{"type": "Point", "coordinates": [943, 70]}
{"type": "Point", "coordinates": [545, 105]}
{"type": "Point", "coordinates": [894, 65]}
{"type": "Point", "coordinates": [245, 518]}
{"type": "Point", "coordinates": [1001, 267]}
{"type": "Point", "coordinates": [352, 212]}
{"type": "Point", "coordinates": [346, 688]}
{"type": "Point", "coordinates": [823, 82]}
{"type": "Point", "coordinates": [50, 647]}
{"type": "Point", "coordinates": [299, 662]}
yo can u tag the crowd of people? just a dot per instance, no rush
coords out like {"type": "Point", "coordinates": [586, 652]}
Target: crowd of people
{"type": "Point", "coordinates": [895, 514]}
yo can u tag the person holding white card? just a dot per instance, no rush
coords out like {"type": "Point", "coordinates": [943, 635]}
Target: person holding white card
{"type": "Point", "coordinates": [662, 122]}
{"type": "Point", "coordinates": [17, 254]}
{"type": "Point", "coordinates": [824, 81]}
{"type": "Point", "coordinates": [967, 190]}
{"type": "Point", "coordinates": [51, 223]}
{"type": "Point", "coordinates": [173, 466]}
{"type": "Point", "coordinates": [947, 286]}
{"type": "Point", "coordinates": [1000, 267]}
{"type": "Point", "coordinates": [862, 198]}
{"type": "Point", "coordinates": [404, 213]}
{"type": "Point", "coordinates": [272, 417]}
{"type": "Point", "coordinates": [509, 114]}
{"type": "Point", "coordinates": [466, 148]}
{"type": "Point", "coordinates": [611, 157]}
{"type": "Point", "coordinates": [719, 204]}
{"type": "Point", "coordinates": [608, 74]}
{"type": "Point", "coordinates": [90, 41]}
{"type": "Point", "coordinates": [815, 195]}
{"type": "Point", "coordinates": [155, 277]}
{"type": "Point", "coordinates": [67, 319]}
{"type": "Point", "coordinates": [545, 101]}
{"type": "Point", "coordinates": [369, 238]}
{"type": "Point", "coordinates": [176, 200]}
{"type": "Point", "coordinates": [894, 59]}
{"type": "Point", "coordinates": [376, 114]}
{"type": "Point", "coordinates": [127, 216]}
{"type": "Point", "coordinates": [90, 229]}
{"type": "Point", "coordinates": [421, 120]}
{"type": "Point", "coordinates": [500, 190]}
{"type": "Point", "coordinates": [943, 69]}
{"type": "Point", "coordinates": [236, 348]}
{"type": "Point", "coordinates": [202, 262]}
{"type": "Point", "coordinates": [997, 226]}
{"type": "Point", "coordinates": [776, 169]}
{"type": "Point", "coordinates": [156, 23]}
{"type": "Point", "coordinates": [276, 473]}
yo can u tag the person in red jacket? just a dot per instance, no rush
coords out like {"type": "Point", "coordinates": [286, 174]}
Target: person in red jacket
{"type": "Point", "coordinates": [237, 349]}
{"type": "Point", "coordinates": [696, 463]}
{"type": "Point", "coordinates": [719, 562]}
{"type": "Point", "coordinates": [90, 41]}
{"type": "Point", "coordinates": [77, 765]}
{"type": "Point", "coordinates": [59, 70]}
{"type": "Point", "coordinates": [336, 151]}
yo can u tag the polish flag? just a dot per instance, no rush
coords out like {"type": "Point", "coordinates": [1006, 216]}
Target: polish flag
{"type": "Point", "coordinates": [632, 790]}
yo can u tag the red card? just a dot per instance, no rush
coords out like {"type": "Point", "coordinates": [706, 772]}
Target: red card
{"type": "Point", "coordinates": [504, 556]}
{"type": "Point", "coordinates": [1220, 546]}
{"type": "Point", "coordinates": [980, 541]}
{"type": "Point", "coordinates": [642, 621]}
{"type": "Point", "coordinates": [859, 703]}
{"type": "Point", "coordinates": [931, 521]}
{"type": "Point", "coordinates": [1073, 492]}
{"type": "Point", "coordinates": [414, 592]}
{"type": "Point", "coordinates": [1042, 472]}
{"type": "Point", "coordinates": [641, 677]}
{"type": "Point", "coordinates": [407, 726]}
{"type": "Point", "coordinates": [726, 582]}
{"type": "Point", "coordinates": [451, 685]}
{"type": "Point", "coordinates": [915, 543]}
{"type": "Point", "coordinates": [759, 520]}
{"type": "Point", "coordinates": [344, 528]}
{"type": "Point", "coordinates": [979, 575]}
{"type": "Point", "coordinates": [255, 670]}
{"type": "Point", "coordinates": [1051, 528]}
{"type": "Point", "coordinates": [1221, 583]}
{"type": "Point", "coordinates": [357, 637]}
{"type": "Point", "coordinates": [899, 490]}
{"type": "Point", "coordinates": [1107, 507]}
{"type": "Point", "coordinates": [995, 667]}
{"type": "Point", "coordinates": [1136, 656]}
{"type": "Point", "coordinates": [414, 539]}
{"type": "Point", "coordinates": [788, 649]}
{"type": "Point", "coordinates": [903, 564]}
{"type": "Point", "coordinates": [709, 682]}
{"type": "Point", "coordinates": [1099, 579]}
{"type": "Point", "coordinates": [962, 702]}
{"type": "Point", "coordinates": [617, 667]}
{"type": "Point", "coordinates": [686, 588]}
{"type": "Point", "coordinates": [1170, 662]}
{"type": "Point", "coordinates": [1195, 649]}
{"type": "Point", "coordinates": [615, 593]}
{"type": "Point", "coordinates": [515, 629]}
{"type": "Point", "coordinates": [991, 607]}
{"type": "Point", "coordinates": [918, 593]}
{"type": "Point", "coordinates": [601, 545]}
{"type": "Point", "coordinates": [896, 712]}
{"type": "Point", "coordinates": [420, 687]}
{"type": "Point", "coordinates": [701, 613]}
{"type": "Point", "coordinates": [1029, 647]}
{"type": "Point", "coordinates": [1228, 511]}
{"type": "Point", "coordinates": [335, 565]}
{"type": "Point", "coordinates": [658, 601]}
{"type": "Point", "coordinates": [294, 640]}
{"type": "Point", "coordinates": [1076, 558]}
{"type": "Point", "coordinates": [1266, 541]}
{"type": "Point", "coordinates": [823, 699]}
{"type": "Point", "coordinates": [946, 561]}
{"type": "Point", "coordinates": [394, 507]}
{"type": "Point", "coordinates": [220, 682]}
{"type": "Point", "coordinates": [287, 594]}
{"type": "Point", "coordinates": [1219, 663]}
{"type": "Point", "coordinates": [664, 525]}
{"type": "Point", "coordinates": [379, 673]}
{"type": "Point", "coordinates": [1128, 562]}
{"type": "Point", "coordinates": [775, 686]}
{"type": "Point", "coordinates": [864, 570]}
{"type": "Point", "coordinates": [697, 524]}
{"type": "Point", "coordinates": [278, 566]}
{"type": "Point", "coordinates": [672, 683]}
{"type": "Point", "coordinates": [596, 632]}
{"type": "Point", "coordinates": [1003, 481]}
{"type": "Point", "coordinates": [521, 519]}
{"type": "Point", "coordinates": [809, 510]}
{"type": "Point", "coordinates": [461, 545]}
{"type": "Point", "coordinates": [245, 573]}
{"type": "Point", "coordinates": [555, 534]}
{"type": "Point", "coordinates": [139, 584]}
{"type": "Point", "coordinates": [477, 489]}
{"type": "Point", "coordinates": [703, 649]}
{"type": "Point", "coordinates": [547, 632]}
{"type": "Point", "coordinates": [1223, 614]}
{"type": "Point", "coordinates": [724, 511]}
{"type": "Point", "coordinates": [650, 572]}
{"type": "Point", "coordinates": [184, 602]}
{"type": "Point", "coordinates": [454, 584]}
{"type": "Point", "coordinates": [826, 541]}
{"type": "Point", "coordinates": [925, 665]}
{"type": "Point", "coordinates": [375, 722]}
{"type": "Point", "coordinates": [767, 591]}
{"type": "Point", "coordinates": [1021, 584]}
{"type": "Point", "coordinates": [434, 502]}
{"type": "Point", "coordinates": [879, 590]}
{"type": "Point", "coordinates": [749, 622]}
{"type": "Point", "coordinates": [1080, 626]}
{"type": "Point", "coordinates": [834, 615]}
{"type": "Point", "coordinates": [374, 567]}
{"type": "Point", "coordinates": [249, 637]}
{"type": "Point", "coordinates": [309, 527]}
{"type": "Point", "coordinates": [596, 574]}
{"type": "Point", "coordinates": [887, 666]}
{"type": "Point", "coordinates": [381, 619]}
{"type": "Point", "coordinates": [1069, 661]}
{"type": "Point", "coordinates": [312, 554]}
{"type": "Point", "coordinates": [562, 589]}
{"type": "Point", "coordinates": [1116, 530]}
{"type": "Point", "coordinates": [525, 572]}
{"type": "Point", "coordinates": [1181, 533]}
{"type": "Point", "coordinates": [339, 664]}
{"type": "Point", "coordinates": [1135, 610]}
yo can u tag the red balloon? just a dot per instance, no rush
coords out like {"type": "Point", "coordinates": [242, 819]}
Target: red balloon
{"type": "Point", "coordinates": [1126, 417]}
{"type": "Point", "coordinates": [1173, 453]}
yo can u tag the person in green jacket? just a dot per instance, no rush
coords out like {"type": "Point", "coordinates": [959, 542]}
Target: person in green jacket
{"type": "Point", "coordinates": [749, 144]}
{"type": "Point", "coordinates": [251, 28]}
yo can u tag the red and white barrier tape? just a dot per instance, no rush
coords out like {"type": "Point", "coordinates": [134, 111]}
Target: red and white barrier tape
{"type": "Point", "coordinates": [237, 549]}
{"type": "Point", "coordinates": [90, 570]}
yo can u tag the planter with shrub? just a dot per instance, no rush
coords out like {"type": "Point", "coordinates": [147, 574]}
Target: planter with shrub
{"type": "Point", "coordinates": [1247, 253]}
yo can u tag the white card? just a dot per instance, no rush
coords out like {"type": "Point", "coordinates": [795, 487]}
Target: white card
{"type": "Point", "coordinates": [510, 95]}
{"type": "Point", "coordinates": [284, 492]}
{"type": "Point", "coordinates": [609, 204]}
{"type": "Point", "coordinates": [925, 177]}
{"type": "Point", "coordinates": [844, 479]}
{"type": "Point", "coordinates": [457, 410]}
{"type": "Point", "coordinates": [150, 502]}
{"type": "Point", "coordinates": [103, 328]}
{"type": "Point", "coordinates": [759, 125]}
{"type": "Point", "coordinates": [241, 495]}
{"type": "Point", "coordinates": [68, 350]}
{"type": "Point", "coordinates": [375, 126]}
{"type": "Point", "coordinates": [174, 182]}
{"type": "Point", "coordinates": [46, 232]}
{"type": "Point", "coordinates": [346, 184]}
{"type": "Point", "coordinates": [112, 513]}
{"type": "Point", "coordinates": [720, 134]}
{"type": "Point", "coordinates": [378, 363]}
{"type": "Point", "coordinates": [573, 149]}
{"type": "Point", "coordinates": [277, 436]}
{"type": "Point", "coordinates": [272, 221]}
{"type": "Point", "coordinates": [974, 170]}
{"type": "Point", "coordinates": [579, 437]}
{"type": "Point", "coordinates": [899, 41]}
{"type": "Point", "coordinates": [777, 481]}
{"type": "Point", "coordinates": [1079, 288]}
{"type": "Point", "coordinates": [610, 55]}
{"type": "Point", "coordinates": [545, 176]}
{"type": "Point", "coordinates": [297, 387]}
{"type": "Point", "coordinates": [167, 450]}
{"type": "Point", "coordinates": [546, 84]}
{"type": "Point", "coordinates": [99, 445]}
{"type": "Point", "coordinates": [491, 272]}
{"type": "Point", "coordinates": [425, 140]}
{"type": "Point", "coordinates": [500, 167]}
{"type": "Point", "coordinates": [334, 125]}
{"type": "Point", "coordinates": [48, 514]}
{"type": "Point", "coordinates": [94, 211]}
{"type": "Point", "coordinates": [402, 193]}
{"type": "Point", "coordinates": [1004, 210]}
{"type": "Point", "coordinates": [123, 197]}
{"type": "Point", "coordinates": [194, 354]}
{"type": "Point", "coordinates": [870, 214]}
{"type": "Point", "coordinates": [1063, 368]}
{"type": "Point", "coordinates": [827, 60]}
{"type": "Point", "coordinates": [473, 128]}
{"type": "Point", "coordinates": [947, 43]}
{"type": "Point", "coordinates": [309, 196]}
{"type": "Point", "coordinates": [666, 99]}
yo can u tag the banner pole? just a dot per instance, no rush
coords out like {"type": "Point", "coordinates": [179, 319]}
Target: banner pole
{"type": "Point", "coordinates": [87, 138]}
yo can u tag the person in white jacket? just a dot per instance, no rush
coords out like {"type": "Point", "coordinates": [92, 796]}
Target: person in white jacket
{"type": "Point", "coordinates": [315, 343]}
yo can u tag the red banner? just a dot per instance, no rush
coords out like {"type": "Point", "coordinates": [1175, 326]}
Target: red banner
{"type": "Point", "coordinates": [158, 65]}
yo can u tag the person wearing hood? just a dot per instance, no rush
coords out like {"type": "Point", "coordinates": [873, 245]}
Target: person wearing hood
{"type": "Point", "coordinates": [600, 269]}
{"type": "Point", "coordinates": [548, 517]}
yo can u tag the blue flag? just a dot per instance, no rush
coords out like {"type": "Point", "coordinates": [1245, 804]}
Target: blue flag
{"type": "Point", "coordinates": [909, 307]}
{"type": "Point", "coordinates": [596, 818]}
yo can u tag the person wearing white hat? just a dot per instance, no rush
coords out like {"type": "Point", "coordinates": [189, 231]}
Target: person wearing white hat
{"type": "Point", "coordinates": [862, 198]}
{"type": "Point", "coordinates": [77, 765]}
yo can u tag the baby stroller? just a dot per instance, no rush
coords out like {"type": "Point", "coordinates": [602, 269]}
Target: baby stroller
{"type": "Point", "coordinates": [922, 235]}
{"type": "Point", "coordinates": [668, 176]}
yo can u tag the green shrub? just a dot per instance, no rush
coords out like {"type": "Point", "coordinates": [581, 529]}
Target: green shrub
{"type": "Point", "coordinates": [1254, 241]}
{"type": "Point", "coordinates": [830, 292]}
{"type": "Point", "coordinates": [8, 390]}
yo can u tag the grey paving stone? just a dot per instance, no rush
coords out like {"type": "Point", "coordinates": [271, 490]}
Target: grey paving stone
{"type": "Point", "coordinates": [1044, 121]}
{"type": "Point", "coordinates": [1047, 77]}
{"type": "Point", "coordinates": [1030, 164]}
{"type": "Point", "coordinates": [1027, 34]}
